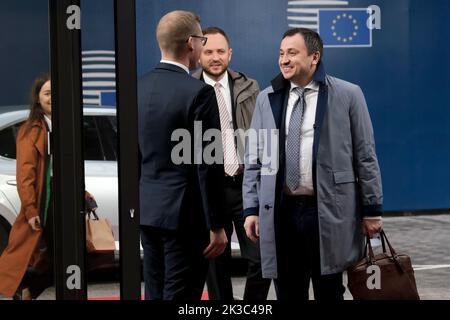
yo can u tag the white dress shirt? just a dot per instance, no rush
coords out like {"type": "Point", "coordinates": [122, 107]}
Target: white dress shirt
{"type": "Point", "coordinates": [49, 124]}
{"type": "Point", "coordinates": [306, 186]}
{"type": "Point", "coordinates": [224, 89]}
{"type": "Point", "coordinates": [182, 66]}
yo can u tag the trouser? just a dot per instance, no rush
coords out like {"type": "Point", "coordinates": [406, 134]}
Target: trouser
{"type": "Point", "coordinates": [298, 253]}
{"type": "Point", "coordinates": [219, 273]}
{"type": "Point", "coordinates": [174, 265]}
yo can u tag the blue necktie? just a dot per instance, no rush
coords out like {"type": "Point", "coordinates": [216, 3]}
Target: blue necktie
{"type": "Point", "coordinates": [293, 141]}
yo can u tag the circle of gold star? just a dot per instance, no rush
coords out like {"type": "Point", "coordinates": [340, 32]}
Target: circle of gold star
{"type": "Point", "coordinates": [355, 27]}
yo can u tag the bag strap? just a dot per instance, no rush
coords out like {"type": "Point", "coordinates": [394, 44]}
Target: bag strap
{"type": "Point", "coordinates": [383, 244]}
{"type": "Point", "coordinates": [391, 249]}
{"type": "Point", "coordinates": [370, 257]}
{"type": "Point", "coordinates": [394, 254]}
{"type": "Point", "coordinates": [93, 213]}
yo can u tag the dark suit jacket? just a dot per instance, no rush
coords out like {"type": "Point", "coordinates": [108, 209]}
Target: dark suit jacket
{"type": "Point", "coordinates": [174, 196]}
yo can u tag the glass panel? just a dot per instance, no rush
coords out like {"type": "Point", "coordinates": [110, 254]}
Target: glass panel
{"type": "Point", "coordinates": [93, 145]}
{"type": "Point", "coordinates": [8, 141]}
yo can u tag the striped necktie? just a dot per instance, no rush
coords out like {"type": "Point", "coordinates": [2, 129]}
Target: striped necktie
{"type": "Point", "coordinates": [231, 162]}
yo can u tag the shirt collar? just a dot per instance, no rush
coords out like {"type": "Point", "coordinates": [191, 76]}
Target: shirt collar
{"type": "Point", "coordinates": [313, 85]}
{"type": "Point", "coordinates": [223, 82]}
{"type": "Point", "coordinates": [176, 64]}
{"type": "Point", "coordinates": [49, 122]}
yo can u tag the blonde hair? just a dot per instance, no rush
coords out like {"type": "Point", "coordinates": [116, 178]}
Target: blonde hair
{"type": "Point", "coordinates": [174, 29]}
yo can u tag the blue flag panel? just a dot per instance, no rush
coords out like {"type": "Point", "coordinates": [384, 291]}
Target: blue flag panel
{"type": "Point", "coordinates": [344, 28]}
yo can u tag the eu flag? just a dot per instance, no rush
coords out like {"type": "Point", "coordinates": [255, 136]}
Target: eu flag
{"type": "Point", "coordinates": [344, 28]}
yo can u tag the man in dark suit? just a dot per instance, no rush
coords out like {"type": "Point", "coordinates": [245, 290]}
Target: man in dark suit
{"type": "Point", "coordinates": [239, 94]}
{"type": "Point", "coordinates": [181, 211]}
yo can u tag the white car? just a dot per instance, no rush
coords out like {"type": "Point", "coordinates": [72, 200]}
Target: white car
{"type": "Point", "coordinates": [100, 149]}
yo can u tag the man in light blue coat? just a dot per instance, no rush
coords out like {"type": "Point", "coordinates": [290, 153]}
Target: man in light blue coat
{"type": "Point", "coordinates": [312, 184]}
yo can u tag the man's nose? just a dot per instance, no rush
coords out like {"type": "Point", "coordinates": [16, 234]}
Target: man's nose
{"type": "Point", "coordinates": [284, 60]}
{"type": "Point", "coordinates": [216, 57]}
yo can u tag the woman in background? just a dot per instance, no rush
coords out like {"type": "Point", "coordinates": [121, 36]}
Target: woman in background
{"type": "Point", "coordinates": [26, 261]}
{"type": "Point", "coordinates": [26, 265]}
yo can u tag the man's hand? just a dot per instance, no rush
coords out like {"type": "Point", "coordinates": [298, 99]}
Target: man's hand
{"type": "Point", "coordinates": [35, 223]}
{"type": "Point", "coordinates": [251, 226]}
{"type": "Point", "coordinates": [218, 243]}
{"type": "Point", "coordinates": [372, 226]}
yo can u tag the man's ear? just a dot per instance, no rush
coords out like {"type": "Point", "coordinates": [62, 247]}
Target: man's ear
{"type": "Point", "coordinates": [316, 58]}
{"type": "Point", "coordinates": [231, 53]}
{"type": "Point", "coordinates": [190, 44]}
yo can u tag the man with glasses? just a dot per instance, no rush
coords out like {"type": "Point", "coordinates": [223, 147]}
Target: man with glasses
{"type": "Point", "coordinates": [181, 204]}
{"type": "Point", "coordinates": [202, 39]}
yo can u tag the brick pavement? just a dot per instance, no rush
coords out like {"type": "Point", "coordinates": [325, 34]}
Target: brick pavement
{"type": "Point", "coordinates": [425, 238]}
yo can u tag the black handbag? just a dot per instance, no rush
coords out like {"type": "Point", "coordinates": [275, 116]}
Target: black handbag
{"type": "Point", "coordinates": [385, 276]}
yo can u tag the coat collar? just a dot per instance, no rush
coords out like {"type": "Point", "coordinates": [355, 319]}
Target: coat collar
{"type": "Point", "coordinates": [39, 123]}
{"type": "Point", "coordinates": [170, 67]}
{"type": "Point", "coordinates": [40, 140]}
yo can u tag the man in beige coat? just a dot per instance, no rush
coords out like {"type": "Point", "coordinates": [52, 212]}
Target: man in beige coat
{"type": "Point", "coordinates": [236, 93]}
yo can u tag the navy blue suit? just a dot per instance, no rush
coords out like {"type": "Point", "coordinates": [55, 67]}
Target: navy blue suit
{"type": "Point", "coordinates": [179, 203]}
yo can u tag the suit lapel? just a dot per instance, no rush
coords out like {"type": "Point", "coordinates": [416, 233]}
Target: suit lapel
{"type": "Point", "coordinates": [41, 138]}
{"type": "Point", "coordinates": [322, 102]}
{"type": "Point", "coordinates": [278, 103]}
{"type": "Point", "coordinates": [278, 99]}
{"type": "Point", "coordinates": [322, 105]}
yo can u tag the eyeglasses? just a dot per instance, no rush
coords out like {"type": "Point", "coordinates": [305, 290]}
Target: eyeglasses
{"type": "Point", "coordinates": [203, 39]}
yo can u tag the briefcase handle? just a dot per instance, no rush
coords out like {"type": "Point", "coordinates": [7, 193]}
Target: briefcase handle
{"type": "Point", "coordinates": [371, 256]}
{"type": "Point", "coordinates": [391, 248]}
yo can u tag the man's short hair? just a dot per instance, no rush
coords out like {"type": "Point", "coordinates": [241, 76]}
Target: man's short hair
{"type": "Point", "coordinates": [216, 30]}
{"type": "Point", "coordinates": [313, 41]}
{"type": "Point", "coordinates": [174, 29]}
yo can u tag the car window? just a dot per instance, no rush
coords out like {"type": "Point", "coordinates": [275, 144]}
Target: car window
{"type": "Point", "coordinates": [100, 136]}
{"type": "Point", "coordinates": [8, 141]}
{"type": "Point", "coordinates": [107, 127]}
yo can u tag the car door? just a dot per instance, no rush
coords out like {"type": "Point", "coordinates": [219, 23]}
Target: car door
{"type": "Point", "coordinates": [100, 149]}
{"type": "Point", "coordinates": [9, 199]}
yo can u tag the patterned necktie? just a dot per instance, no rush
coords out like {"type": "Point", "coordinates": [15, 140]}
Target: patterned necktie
{"type": "Point", "coordinates": [230, 159]}
{"type": "Point", "coordinates": [293, 142]}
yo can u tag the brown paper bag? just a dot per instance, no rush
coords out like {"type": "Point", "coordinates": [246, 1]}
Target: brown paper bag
{"type": "Point", "coordinates": [99, 235]}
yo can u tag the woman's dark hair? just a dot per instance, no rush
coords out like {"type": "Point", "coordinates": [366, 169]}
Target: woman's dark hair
{"type": "Point", "coordinates": [36, 111]}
